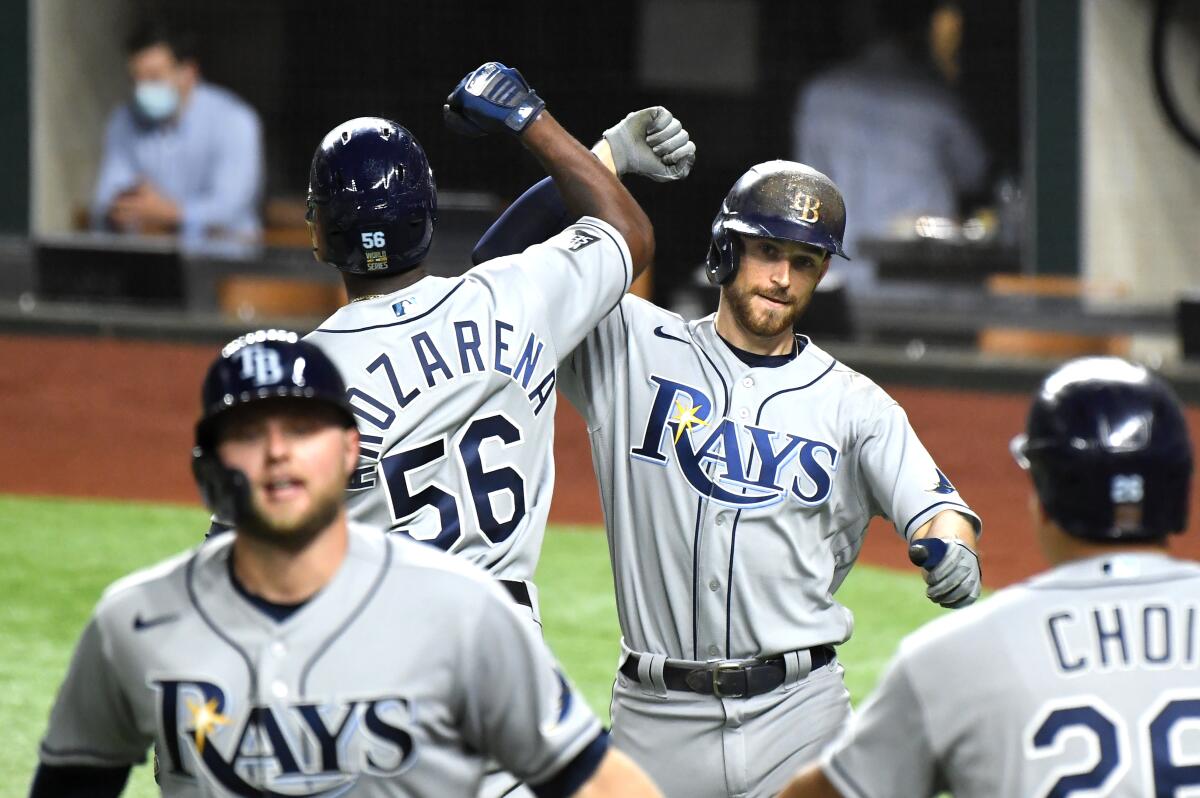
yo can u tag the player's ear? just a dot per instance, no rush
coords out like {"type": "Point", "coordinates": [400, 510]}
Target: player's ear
{"type": "Point", "coordinates": [1043, 525]}
{"type": "Point", "coordinates": [1036, 511]}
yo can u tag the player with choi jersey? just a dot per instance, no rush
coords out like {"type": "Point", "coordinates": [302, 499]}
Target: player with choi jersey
{"type": "Point", "coordinates": [453, 379]}
{"type": "Point", "coordinates": [739, 466]}
{"type": "Point", "coordinates": [1083, 680]}
{"type": "Point", "coordinates": [285, 658]}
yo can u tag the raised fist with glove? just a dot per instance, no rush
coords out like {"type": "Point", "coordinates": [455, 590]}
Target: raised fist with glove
{"type": "Point", "coordinates": [951, 570]}
{"type": "Point", "coordinates": [492, 99]}
{"type": "Point", "coordinates": [652, 143]}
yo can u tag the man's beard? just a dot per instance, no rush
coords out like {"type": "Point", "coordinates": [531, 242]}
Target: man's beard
{"type": "Point", "coordinates": [765, 324]}
{"type": "Point", "coordinates": [293, 537]}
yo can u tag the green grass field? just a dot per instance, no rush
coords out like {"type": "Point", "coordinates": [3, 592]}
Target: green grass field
{"type": "Point", "coordinates": [60, 554]}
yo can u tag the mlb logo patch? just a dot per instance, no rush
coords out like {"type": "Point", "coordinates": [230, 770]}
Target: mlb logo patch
{"type": "Point", "coordinates": [581, 239]}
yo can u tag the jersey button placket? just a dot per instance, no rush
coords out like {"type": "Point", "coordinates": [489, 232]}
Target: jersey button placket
{"type": "Point", "coordinates": [270, 666]}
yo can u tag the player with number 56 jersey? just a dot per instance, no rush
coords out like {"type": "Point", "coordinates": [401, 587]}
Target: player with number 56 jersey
{"type": "Point", "coordinates": [452, 380]}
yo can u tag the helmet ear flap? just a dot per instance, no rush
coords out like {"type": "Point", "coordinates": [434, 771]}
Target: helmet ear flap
{"type": "Point", "coordinates": [225, 490]}
{"type": "Point", "coordinates": [722, 259]}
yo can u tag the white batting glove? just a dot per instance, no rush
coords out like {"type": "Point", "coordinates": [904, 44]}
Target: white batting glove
{"type": "Point", "coordinates": [652, 143]}
{"type": "Point", "coordinates": [955, 581]}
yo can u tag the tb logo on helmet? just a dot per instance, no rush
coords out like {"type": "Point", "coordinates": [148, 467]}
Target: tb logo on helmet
{"type": "Point", "coordinates": [808, 206]}
{"type": "Point", "coordinates": [261, 364]}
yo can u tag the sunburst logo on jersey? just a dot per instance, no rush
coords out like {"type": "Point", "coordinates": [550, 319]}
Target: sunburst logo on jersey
{"type": "Point", "coordinates": [685, 419]}
{"type": "Point", "coordinates": [206, 719]}
{"type": "Point", "coordinates": [731, 463]}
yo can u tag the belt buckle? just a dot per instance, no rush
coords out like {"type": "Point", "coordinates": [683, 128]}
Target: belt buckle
{"type": "Point", "coordinates": [717, 671]}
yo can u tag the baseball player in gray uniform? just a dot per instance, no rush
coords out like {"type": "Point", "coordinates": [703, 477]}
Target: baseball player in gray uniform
{"type": "Point", "coordinates": [453, 380]}
{"type": "Point", "coordinates": [1081, 681]}
{"type": "Point", "coordinates": [739, 466]}
{"type": "Point", "coordinates": [286, 658]}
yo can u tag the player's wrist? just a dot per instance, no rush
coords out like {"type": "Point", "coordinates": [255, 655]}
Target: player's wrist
{"type": "Point", "coordinates": [604, 154]}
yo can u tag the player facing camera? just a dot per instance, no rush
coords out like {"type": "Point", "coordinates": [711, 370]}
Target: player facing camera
{"type": "Point", "coordinates": [277, 443]}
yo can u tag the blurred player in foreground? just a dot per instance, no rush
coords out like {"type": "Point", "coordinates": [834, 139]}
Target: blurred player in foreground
{"type": "Point", "coordinates": [1082, 680]}
{"type": "Point", "coordinates": [285, 658]}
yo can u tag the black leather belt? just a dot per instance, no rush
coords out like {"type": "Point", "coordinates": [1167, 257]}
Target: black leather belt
{"type": "Point", "coordinates": [519, 591]}
{"type": "Point", "coordinates": [727, 679]}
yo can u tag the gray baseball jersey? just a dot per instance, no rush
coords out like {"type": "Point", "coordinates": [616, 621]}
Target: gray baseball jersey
{"type": "Point", "coordinates": [736, 498]}
{"type": "Point", "coordinates": [1085, 680]}
{"type": "Point", "coordinates": [356, 693]}
{"type": "Point", "coordinates": [452, 381]}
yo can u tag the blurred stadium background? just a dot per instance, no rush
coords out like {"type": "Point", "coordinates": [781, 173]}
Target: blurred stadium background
{"type": "Point", "coordinates": [1086, 239]}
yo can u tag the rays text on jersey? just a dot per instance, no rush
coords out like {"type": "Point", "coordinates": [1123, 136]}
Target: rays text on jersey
{"type": "Point", "coordinates": [304, 749]}
{"type": "Point", "coordinates": [738, 465]}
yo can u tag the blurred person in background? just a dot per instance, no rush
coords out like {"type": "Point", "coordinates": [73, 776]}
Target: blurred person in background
{"type": "Point", "coordinates": [887, 127]}
{"type": "Point", "coordinates": [182, 156]}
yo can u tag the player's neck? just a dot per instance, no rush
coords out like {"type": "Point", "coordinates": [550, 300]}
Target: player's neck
{"type": "Point", "coordinates": [359, 287]}
{"type": "Point", "coordinates": [290, 577]}
{"type": "Point", "coordinates": [1061, 548]}
{"type": "Point", "coordinates": [734, 333]}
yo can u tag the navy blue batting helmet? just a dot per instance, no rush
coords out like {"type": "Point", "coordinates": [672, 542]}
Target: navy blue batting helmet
{"type": "Point", "coordinates": [262, 365]}
{"type": "Point", "coordinates": [1108, 450]}
{"type": "Point", "coordinates": [776, 199]}
{"type": "Point", "coordinates": [372, 201]}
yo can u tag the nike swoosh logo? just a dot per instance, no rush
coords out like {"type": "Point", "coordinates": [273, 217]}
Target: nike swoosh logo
{"type": "Point", "coordinates": [659, 332]}
{"type": "Point", "coordinates": [142, 624]}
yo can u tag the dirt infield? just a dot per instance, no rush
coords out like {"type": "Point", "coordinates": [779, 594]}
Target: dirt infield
{"type": "Point", "coordinates": [97, 417]}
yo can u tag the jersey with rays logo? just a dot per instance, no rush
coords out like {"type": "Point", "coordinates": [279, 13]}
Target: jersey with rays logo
{"type": "Point", "coordinates": [736, 497]}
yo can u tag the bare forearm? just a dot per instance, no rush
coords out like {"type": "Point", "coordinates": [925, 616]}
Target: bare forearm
{"type": "Point", "coordinates": [618, 777]}
{"type": "Point", "coordinates": [949, 525]}
{"type": "Point", "coordinates": [588, 188]}
{"type": "Point", "coordinates": [810, 784]}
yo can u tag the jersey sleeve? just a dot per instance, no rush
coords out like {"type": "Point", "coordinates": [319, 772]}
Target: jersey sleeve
{"type": "Point", "coordinates": [586, 375]}
{"type": "Point", "coordinates": [92, 722]}
{"type": "Point", "coordinates": [578, 275]}
{"type": "Point", "coordinates": [904, 482]}
{"type": "Point", "coordinates": [520, 709]}
{"type": "Point", "coordinates": [885, 749]}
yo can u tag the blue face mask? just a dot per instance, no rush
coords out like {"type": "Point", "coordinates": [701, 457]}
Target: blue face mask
{"type": "Point", "coordinates": [157, 100]}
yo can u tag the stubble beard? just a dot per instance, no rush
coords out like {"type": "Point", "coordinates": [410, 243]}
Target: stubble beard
{"type": "Point", "coordinates": [294, 536]}
{"type": "Point", "coordinates": [765, 324]}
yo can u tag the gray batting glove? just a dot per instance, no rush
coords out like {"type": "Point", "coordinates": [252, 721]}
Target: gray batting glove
{"type": "Point", "coordinates": [956, 581]}
{"type": "Point", "coordinates": [651, 142]}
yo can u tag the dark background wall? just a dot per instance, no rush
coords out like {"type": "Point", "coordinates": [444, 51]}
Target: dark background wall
{"type": "Point", "coordinates": [309, 65]}
{"type": "Point", "coordinates": [14, 118]}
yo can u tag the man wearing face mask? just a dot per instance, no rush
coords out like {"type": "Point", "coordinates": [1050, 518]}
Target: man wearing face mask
{"type": "Point", "coordinates": [183, 156]}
